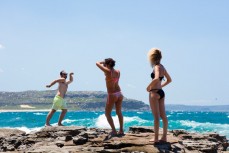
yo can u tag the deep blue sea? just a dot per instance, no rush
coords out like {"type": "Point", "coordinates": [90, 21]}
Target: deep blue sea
{"type": "Point", "coordinates": [191, 121]}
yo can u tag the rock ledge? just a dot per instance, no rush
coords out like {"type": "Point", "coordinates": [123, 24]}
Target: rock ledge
{"type": "Point", "coordinates": [80, 139]}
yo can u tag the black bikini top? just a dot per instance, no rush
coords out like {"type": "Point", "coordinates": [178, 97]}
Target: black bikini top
{"type": "Point", "coordinates": [153, 76]}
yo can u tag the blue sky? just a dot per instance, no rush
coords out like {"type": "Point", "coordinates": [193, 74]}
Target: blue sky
{"type": "Point", "coordinates": [40, 38]}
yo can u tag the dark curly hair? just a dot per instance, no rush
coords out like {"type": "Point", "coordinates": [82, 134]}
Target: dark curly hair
{"type": "Point", "coordinates": [110, 62]}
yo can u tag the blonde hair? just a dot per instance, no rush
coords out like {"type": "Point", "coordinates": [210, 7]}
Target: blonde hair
{"type": "Point", "coordinates": [154, 56]}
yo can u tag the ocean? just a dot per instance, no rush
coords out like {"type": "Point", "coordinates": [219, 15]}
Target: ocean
{"type": "Point", "coordinates": [191, 121]}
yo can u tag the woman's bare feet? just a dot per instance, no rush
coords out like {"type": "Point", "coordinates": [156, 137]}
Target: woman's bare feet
{"type": "Point", "coordinates": [120, 132]}
{"type": "Point", "coordinates": [47, 125]}
{"type": "Point", "coordinates": [163, 139]}
{"type": "Point", "coordinates": [110, 135]}
{"type": "Point", "coordinates": [60, 125]}
{"type": "Point", "coordinates": [113, 133]}
{"type": "Point", "coordinates": [155, 142]}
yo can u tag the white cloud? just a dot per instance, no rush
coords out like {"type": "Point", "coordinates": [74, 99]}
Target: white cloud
{"type": "Point", "coordinates": [1, 46]}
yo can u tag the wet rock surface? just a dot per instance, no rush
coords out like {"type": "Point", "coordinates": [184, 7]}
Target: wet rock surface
{"type": "Point", "coordinates": [75, 139]}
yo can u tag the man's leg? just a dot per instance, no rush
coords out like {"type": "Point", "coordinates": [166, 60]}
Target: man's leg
{"type": "Point", "coordinates": [62, 115]}
{"type": "Point", "coordinates": [49, 116]}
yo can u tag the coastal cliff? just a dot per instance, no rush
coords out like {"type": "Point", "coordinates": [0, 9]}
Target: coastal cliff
{"type": "Point", "coordinates": [87, 140]}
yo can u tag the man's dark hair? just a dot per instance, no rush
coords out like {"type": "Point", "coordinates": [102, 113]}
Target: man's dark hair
{"type": "Point", "coordinates": [110, 62]}
{"type": "Point", "coordinates": [62, 72]}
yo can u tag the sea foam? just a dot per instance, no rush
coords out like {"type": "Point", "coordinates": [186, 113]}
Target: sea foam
{"type": "Point", "coordinates": [25, 129]}
{"type": "Point", "coordinates": [68, 121]}
{"type": "Point", "coordinates": [101, 121]}
{"type": "Point", "coordinates": [206, 127]}
{"type": "Point", "coordinates": [39, 113]}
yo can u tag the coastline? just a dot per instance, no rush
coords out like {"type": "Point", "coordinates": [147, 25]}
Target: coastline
{"type": "Point", "coordinates": [69, 110]}
{"type": "Point", "coordinates": [25, 110]}
{"type": "Point", "coordinates": [82, 139]}
{"type": "Point", "coordinates": [30, 119]}
{"type": "Point", "coordinates": [40, 110]}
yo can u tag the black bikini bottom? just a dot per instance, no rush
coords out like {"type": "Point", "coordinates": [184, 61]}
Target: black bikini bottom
{"type": "Point", "coordinates": [160, 92]}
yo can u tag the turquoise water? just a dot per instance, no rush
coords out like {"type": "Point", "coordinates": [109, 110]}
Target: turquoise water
{"type": "Point", "coordinates": [191, 121]}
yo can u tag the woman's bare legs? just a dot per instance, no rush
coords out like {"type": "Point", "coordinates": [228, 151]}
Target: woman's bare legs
{"type": "Point", "coordinates": [164, 118]}
{"type": "Point", "coordinates": [118, 106]}
{"type": "Point", "coordinates": [109, 106]}
{"type": "Point", "coordinates": [153, 98]}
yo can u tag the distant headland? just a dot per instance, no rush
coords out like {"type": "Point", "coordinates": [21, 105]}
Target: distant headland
{"type": "Point", "coordinates": [84, 100]}
{"type": "Point", "coordinates": [76, 100]}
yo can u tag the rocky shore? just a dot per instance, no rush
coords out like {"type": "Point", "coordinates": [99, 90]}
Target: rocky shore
{"type": "Point", "coordinates": [75, 139]}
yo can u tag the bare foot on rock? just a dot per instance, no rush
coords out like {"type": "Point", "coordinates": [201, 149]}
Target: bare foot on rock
{"type": "Point", "coordinates": [154, 141]}
{"type": "Point", "coordinates": [60, 125]}
{"type": "Point", "coordinates": [163, 139]}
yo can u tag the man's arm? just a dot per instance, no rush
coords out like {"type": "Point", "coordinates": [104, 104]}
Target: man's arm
{"type": "Point", "coordinates": [70, 78]}
{"type": "Point", "coordinates": [55, 81]}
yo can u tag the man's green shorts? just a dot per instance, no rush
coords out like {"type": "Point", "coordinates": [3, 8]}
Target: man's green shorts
{"type": "Point", "coordinates": [59, 103]}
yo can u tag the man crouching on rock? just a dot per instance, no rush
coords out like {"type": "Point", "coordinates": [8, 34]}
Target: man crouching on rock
{"type": "Point", "coordinates": [58, 102]}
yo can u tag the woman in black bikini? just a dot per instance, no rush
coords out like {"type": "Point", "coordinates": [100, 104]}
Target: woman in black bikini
{"type": "Point", "coordinates": [157, 95]}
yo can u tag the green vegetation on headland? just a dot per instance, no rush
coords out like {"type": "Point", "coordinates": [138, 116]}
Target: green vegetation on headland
{"type": "Point", "coordinates": [85, 100]}
{"type": "Point", "coordinates": [76, 100]}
